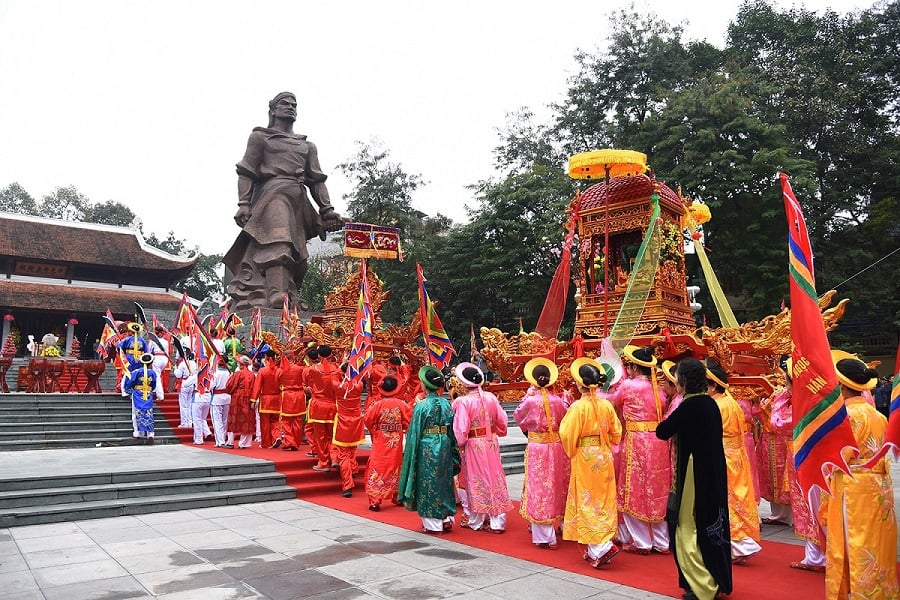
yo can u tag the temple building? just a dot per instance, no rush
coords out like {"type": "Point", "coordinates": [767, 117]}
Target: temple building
{"type": "Point", "coordinates": [60, 277]}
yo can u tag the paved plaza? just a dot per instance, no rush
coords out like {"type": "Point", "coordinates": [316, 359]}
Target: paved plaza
{"type": "Point", "coordinates": [278, 550]}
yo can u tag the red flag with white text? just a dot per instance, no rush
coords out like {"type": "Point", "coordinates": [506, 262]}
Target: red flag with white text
{"type": "Point", "coordinates": [821, 425]}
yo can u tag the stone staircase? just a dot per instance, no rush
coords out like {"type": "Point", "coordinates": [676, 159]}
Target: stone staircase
{"type": "Point", "coordinates": [66, 457]}
{"type": "Point", "coordinates": [94, 495]}
{"type": "Point", "coordinates": [37, 421]}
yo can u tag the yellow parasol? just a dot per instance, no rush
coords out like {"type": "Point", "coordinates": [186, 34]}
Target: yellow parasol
{"type": "Point", "coordinates": [607, 163]}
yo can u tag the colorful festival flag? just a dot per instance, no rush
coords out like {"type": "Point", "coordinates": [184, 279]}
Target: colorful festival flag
{"type": "Point", "coordinates": [821, 426]}
{"type": "Point", "coordinates": [361, 354]}
{"type": "Point", "coordinates": [182, 324]}
{"type": "Point", "coordinates": [255, 327]}
{"type": "Point", "coordinates": [285, 317]}
{"type": "Point", "coordinates": [472, 344]}
{"type": "Point", "coordinates": [205, 352]}
{"type": "Point", "coordinates": [440, 349]}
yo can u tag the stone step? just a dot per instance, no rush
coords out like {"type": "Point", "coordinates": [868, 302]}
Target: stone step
{"type": "Point", "coordinates": [126, 477]}
{"type": "Point", "coordinates": [58, 422]}
{"type": "Point", "coordinates": [89, 442]}
{"type": "Point", "coordinates": [35, 515]}
{"type": "Point", "coordinates": [74, 494]}
{"type": "Point", "coordinates": [107, 431]}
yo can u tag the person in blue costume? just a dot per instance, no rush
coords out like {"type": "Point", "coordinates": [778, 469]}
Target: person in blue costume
{"type": "Point", "coordinates": [431, 458]}
{"type": "Point", "coordinates": [141, 386]}
{"type": "Point", "coordinates": [131, 349]}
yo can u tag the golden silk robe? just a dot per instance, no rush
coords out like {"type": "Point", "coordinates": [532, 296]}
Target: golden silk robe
{"type": "Point", "coordinates": [588, 431]}
{"type": "Point", "coordinates": [861, 545]}
{"type": "Point", "coordinates": [743, 512]}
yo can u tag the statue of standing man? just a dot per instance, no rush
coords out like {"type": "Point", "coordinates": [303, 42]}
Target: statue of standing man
{"type": "Point", "coordinates": [269, 256]}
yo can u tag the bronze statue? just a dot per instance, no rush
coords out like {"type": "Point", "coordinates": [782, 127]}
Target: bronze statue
{"type": "Point", "coordinates": [269, 256]}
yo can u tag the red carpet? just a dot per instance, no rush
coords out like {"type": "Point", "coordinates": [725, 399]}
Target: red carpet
{"type": "Point", "coordinates": [765, 576]}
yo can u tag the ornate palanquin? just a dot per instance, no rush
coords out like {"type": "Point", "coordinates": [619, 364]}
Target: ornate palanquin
{"type": "Point", "coordinates": [626, 221]}
{"type": "Point", "coordinates": [749, 353]}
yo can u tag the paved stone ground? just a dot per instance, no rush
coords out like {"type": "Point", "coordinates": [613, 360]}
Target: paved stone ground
{"type": "Point", "coordinates": [278, 550]}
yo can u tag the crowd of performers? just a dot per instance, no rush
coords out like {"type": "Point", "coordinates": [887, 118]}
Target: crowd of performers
{"type": "Point", "coordinates": [661, 460]}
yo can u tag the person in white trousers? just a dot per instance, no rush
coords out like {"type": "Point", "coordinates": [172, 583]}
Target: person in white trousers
{"type": "Point", "coordinates": [220, 404]}
{"type": "Point", "coordinates": [185, 371]}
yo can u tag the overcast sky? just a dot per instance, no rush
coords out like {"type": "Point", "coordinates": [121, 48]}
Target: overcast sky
{"type": "Point", "coordinates": [150, 103]}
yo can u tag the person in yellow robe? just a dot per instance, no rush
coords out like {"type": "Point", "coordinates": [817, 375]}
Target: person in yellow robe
{"type": "Point", "coordinates": [861, 540]}
{"type": "Point", "coordinates": [588, 432]}
{"type": "Point", "coordinates": [743, 510]}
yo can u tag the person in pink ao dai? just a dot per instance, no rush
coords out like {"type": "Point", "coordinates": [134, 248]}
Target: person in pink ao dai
{"type": "Point", "coordinates": [645, 469]}
{"type": "Point", "coordinates": [547, 466]}
{"type": "Point", "coordinates": [478, 422]}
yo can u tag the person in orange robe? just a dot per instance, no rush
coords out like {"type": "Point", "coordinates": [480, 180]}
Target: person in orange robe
{"type": "Point", "coordinates": [267, 395]}
{"type": "Point", "coordinates": [293, 403]}
{"type": "Point", "coordinates": [387, 421]}
{"type": "Point", "coordinates": [861, 544]}
{"type": "Point", "coordinates": [320, 378]}
{"type": "Point", "coordinates": [348, 428]}
{"type": "Point", "coordinates": [588, 432]}
{"type": "Point", "coordinates": [743, 511]}
{"type": "Point", "coordinates": [242, 417]}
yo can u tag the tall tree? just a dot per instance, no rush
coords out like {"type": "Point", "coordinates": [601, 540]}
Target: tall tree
{"type": "Point", "coordinates": [108, 213]}
{"type": "Point", "coordinates": [14, 199]}
{"type": "Point", "coordinates": [204, 281]}
{"type": "Point", "coordinates": [65, 203]}
{"type": "Point", "coordinates": [382, 195]}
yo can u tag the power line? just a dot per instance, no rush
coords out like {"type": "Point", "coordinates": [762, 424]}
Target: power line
{"type": "Point", "coordinates": [888, 255]}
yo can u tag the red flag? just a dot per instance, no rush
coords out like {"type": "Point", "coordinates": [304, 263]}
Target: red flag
{"type": "Point", "coordinates": [182, 325]}
{"type": "Point", "coordinates": [255, 327]}
{"type": "Point", "coordinates": [555, 303]}
{"type": "Point", "coordinates": [360, 358]}
{"type": "Point", "coordinates": [285, 317]}
{"type": "Point", "coordinates": [205, 352]}
{"type": "Point", "coordinates": [821, 426]}
{"type": "Point", "coordinates": [440, 349]}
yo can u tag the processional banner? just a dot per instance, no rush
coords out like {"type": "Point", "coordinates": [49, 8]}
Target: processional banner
{"type": "Point", "coordinates": [363, 240]}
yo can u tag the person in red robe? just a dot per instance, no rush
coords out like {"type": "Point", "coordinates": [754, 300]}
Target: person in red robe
{"type": "Point", "coordinates": [348, 429]}
{"type": "Point", "coordinates": [267, 395]}
{"type": "Point", "coordinates": [293, 403]}
{"type": "Point", "coordinates": [387, 421]}
{"type": "Point", "coordinates": [241, 415]}
{"type": "Point", "coordinates": [320, 378]}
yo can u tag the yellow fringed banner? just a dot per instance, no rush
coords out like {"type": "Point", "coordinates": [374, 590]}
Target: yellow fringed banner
{"type": "Point", "coordinates": [363, 240]}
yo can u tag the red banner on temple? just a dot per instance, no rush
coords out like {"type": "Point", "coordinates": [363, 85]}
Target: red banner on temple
{"type": "Point", "coordinates": [362, 240]}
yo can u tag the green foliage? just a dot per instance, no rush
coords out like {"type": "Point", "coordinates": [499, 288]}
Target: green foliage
{"type": "Point", "coordinates": [65, 203]}
{"type": "Point", "coordinates": [14, 199]}
{"type": "Point", "coordinates": [108, 213]}
{"type": "Point", "coordinates": [325, 273]}
{"type": "Point", "coordinates": [204, 280]}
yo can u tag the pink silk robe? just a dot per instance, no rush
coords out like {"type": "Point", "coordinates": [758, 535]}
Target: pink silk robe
{"type": "Point", "coordinates": [806, 525]}
{"type": "Point", "coordinates": [479, 412]}
{"type": "Point", "coordinates": [546, 464]}
{"type": "Point", "coordinates": [747, 409]}
{"type": "Point", "coordinates": [781, 424]}
{"type": "Point", "coordinates": [644, 470]}
{"type": "Point", "coordinates": [743, 511]}
{"type": "Point", "coordinates": [861, 546]}
{"type": "Point", "coordinates": [591, 513]}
